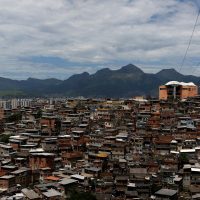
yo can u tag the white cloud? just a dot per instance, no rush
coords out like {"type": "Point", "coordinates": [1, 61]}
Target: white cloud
{"type": "Point", "coordinates": [101, 33]}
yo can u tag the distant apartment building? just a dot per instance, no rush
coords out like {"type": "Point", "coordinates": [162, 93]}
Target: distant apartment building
{"type": "Point", "coordinates": [5, 104]}
{"type": "Point", "coordinates": [15, 103]}
{"type": "Point", "coordinates": [177, 90]}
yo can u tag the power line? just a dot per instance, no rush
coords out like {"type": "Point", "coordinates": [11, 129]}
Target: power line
{"type": "Point", "coordinates": [195, 68]}
{"type": "Point", "coordinates": [190, 40]}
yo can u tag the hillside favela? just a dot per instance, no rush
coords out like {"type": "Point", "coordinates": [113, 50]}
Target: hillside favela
{"type": "Point", "coordinates": [103, 148]}
{"type": "Point", "coordinates": [100, 100]}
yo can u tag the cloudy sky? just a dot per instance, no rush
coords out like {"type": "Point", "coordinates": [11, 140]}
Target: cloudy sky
{"type": "Point", "coordinates": [57, 38]}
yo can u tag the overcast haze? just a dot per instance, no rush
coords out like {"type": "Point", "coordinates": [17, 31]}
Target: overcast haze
{"type": "Point", "coordinates": [58, 38]}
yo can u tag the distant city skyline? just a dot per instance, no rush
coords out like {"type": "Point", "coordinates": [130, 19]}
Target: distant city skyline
{"type": "Point", "coordinates": [48, 38]}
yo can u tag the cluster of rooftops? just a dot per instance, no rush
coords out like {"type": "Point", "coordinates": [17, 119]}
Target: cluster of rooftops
{"type": "Point", "coordinates": [108, 148]}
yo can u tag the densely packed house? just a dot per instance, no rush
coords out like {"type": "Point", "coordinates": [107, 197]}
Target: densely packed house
{"type": "Point", "coordinates": [110, 148]}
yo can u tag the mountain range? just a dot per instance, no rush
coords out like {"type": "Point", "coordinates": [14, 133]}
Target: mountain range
{"type": "Point", "coordinates": [128, 81]}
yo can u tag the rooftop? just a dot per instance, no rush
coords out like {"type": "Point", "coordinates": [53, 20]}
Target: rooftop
{"type": "Point", "coordinates": [180, 83]}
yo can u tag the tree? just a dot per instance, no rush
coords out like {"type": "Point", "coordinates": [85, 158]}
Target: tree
{"type": "Point", "coordinates": [4, 138]}
{"type": "Point", "coordinates": [14, 117]}
{"type": "Point", "coordinates": [39, 114]}
{"type": "Point", "coordinates": [183, 159]}
{"type": "Point", "coordinates": [81, 196]}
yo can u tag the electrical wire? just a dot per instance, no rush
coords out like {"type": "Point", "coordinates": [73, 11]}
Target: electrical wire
{"type": "Point", "coordinates": [190, 40]}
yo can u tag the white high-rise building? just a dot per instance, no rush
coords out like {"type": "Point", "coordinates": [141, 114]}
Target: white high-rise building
{"type": "Point", "coordinates": [14, 103]}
